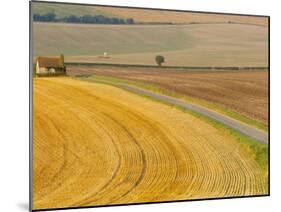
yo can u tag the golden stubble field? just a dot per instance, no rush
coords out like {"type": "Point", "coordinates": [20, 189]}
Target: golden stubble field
{"type": "Point", "coordinates": [95, 144]}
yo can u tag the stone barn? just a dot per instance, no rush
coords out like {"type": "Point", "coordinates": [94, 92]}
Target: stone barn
{"type": "Point", "coordinates": [50, 65]}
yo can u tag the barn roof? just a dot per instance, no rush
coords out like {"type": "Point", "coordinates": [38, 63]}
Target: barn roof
{"type": "Point", "coordinates": [54, 62]}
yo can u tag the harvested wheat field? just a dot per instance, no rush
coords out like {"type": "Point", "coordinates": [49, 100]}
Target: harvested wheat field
{"type": "Point", "coordinates": [95, 144]}
{"type": "Point", "coordinates": [245, 92]}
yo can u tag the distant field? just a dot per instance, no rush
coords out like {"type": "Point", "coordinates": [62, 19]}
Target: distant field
{"type": "Point", "coordinates": [95, 144]}
{"type": "Point", "coordinates": [180, 17]}
{"type": "Point", "coordinates": [245, 92]}
{"type": "Point", "coordinates": [182, 45]}
{"type": "Point", "coordinates": [141, 15]}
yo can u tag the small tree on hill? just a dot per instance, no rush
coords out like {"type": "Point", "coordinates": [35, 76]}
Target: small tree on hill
{"type": "Point", "coordinates": [62, 58]}
{"type": "Point", "coordinates": [159, 59]}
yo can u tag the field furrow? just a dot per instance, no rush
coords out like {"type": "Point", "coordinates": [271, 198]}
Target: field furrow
{"type": "Point", "coordinates": [96, 144]}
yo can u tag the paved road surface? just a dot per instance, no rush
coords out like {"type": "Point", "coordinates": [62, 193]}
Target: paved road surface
{"type": "Point", "coordinates": [237, 125]}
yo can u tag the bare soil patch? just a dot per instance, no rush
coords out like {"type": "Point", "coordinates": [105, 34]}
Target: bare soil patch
{"type": "Point", "coordinates": [245, 92]}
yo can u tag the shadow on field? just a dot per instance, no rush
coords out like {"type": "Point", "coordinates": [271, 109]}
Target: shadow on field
{"type": "Point", "coordinates": [23, 206]}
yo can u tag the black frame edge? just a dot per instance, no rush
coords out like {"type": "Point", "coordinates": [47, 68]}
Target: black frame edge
{"type": "Point", "coordinates": [30, 107]}
{"type": "Point", "coordinates": [269, 141]}
{"type": "Point", "coordinates": [149, 203]}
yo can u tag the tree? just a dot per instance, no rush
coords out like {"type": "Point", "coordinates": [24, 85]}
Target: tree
{"type": "Point", "coordinates": [62, 58]}
{"type": "Point", "coordinates": [159, 59]}
{"type": "Point", "coordinates": [36, 17]}
{"type": "Point", "coordinates": [50, 17]}
{"type": "Point", "coordinates": [88, 19]}
{"type": "Point", "coordinates": [130, 21]}
{"type": "Point", "coordinates": [72, 19]}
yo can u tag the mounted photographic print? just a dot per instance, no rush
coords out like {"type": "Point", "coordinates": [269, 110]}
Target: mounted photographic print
{"type": "Point", "coordinates": [137, 105]}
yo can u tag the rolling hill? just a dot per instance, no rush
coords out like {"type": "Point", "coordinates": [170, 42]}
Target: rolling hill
{"type": "Point", "coordinates": [182, 45]}
{"type": "Point", "coordinates": [144, 15]}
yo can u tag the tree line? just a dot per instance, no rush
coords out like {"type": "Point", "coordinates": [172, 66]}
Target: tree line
{"type": "Point", "coordinates": [88, 19]}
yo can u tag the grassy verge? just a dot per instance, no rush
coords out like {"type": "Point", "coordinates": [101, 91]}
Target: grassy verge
{"type": "Point", "coordinates": [255, 148]}
{"type": "Point", "coordinates": [154, 88]}
{"type": "Point", "coordinates": [258, 149]}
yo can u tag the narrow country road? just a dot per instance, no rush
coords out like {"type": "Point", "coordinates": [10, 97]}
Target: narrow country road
{"type": "Point", "coordinates": [234, 124]}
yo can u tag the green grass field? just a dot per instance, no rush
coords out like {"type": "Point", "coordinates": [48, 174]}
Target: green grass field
{"type": "Point", "coordinates": [182, 45]}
